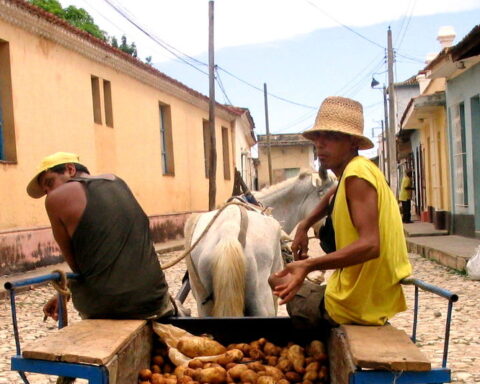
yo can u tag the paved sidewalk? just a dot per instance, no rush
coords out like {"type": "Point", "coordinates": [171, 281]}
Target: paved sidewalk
{"type": "Point", "coordinates": [449, 250]}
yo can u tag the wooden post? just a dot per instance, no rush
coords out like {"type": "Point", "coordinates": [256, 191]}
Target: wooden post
{"type": "Point", "coordinates": [212, 166]}
{"type": "Point", "coordinates": [269, 156]}
{"type": "Point", "coordinates": [391, 112]}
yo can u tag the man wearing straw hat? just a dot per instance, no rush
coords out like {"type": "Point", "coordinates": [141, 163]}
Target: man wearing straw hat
{"type": "Point", "coordinates": [104, 236]}
{"type": "Point", "coordinates": [364, 237]}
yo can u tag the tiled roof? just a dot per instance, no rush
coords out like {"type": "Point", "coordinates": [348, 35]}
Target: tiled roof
{"type": "Point", "coordinates": [52, 19]}
{"type": "Point", "coordinates": [284, 139]}
{"type": "Point", "coordinates": [409, 82]}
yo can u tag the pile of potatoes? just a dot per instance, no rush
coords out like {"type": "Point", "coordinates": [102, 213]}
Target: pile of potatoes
{"type": "Point", "coordinates": [258, 362]}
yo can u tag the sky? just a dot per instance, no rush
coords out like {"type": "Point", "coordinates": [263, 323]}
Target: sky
{"type": "Point", "coordinates": [303, 50]}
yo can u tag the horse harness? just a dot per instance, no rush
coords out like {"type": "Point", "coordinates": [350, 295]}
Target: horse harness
{"type": "Point", "coordinates": [193, 273]}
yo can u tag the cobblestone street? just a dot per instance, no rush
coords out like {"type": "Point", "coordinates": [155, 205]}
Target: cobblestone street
{"type": "Point", "coordinates": [464, 353]}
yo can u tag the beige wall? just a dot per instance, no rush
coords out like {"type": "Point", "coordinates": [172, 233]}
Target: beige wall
{"type": "Point", "coordinates": [283, 157]}
{"type": "Point", "coordinates": [52, 103]}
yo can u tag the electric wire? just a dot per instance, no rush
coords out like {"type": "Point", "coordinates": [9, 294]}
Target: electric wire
{"type": "Point", "coordinates": [124, 13]}
{"type": "Point", "coordinates": [154, 38]}
{"type": "Point", "coordinates": [220, 85]}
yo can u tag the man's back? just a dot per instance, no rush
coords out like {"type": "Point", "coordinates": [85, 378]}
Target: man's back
{"type": "Point", "coordinates": [113, 250]}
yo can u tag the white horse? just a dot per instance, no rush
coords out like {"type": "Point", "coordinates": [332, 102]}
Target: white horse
{"type": "Point", "coordinates": [230, 265]}
{"type": "Point", "coordinates": [293, 199]}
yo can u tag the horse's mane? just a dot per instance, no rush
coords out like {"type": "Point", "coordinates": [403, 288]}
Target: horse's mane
{"type": "Point", "coordinates": [283, 184]}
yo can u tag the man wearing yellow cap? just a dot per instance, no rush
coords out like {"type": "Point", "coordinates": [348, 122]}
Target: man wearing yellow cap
{"type": "Point", "coordinates": [363, 238]}
{"type": "Point", "coordinates": [104, 235]}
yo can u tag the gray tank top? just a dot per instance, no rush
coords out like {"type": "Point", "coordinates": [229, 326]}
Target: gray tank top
{"type": "Point", "coordinates": [120, 272]}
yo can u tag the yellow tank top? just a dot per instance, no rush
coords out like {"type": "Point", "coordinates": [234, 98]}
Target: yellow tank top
{"type": "Point", "coordinates": [368, 293]}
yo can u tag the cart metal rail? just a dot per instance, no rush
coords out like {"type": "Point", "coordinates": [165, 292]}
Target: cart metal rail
{"type": "Point", "coordinates": [96, 374]}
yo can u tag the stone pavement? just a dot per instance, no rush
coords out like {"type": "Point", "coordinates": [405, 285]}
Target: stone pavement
{"type": "Point", "coordinates": [464, 352]}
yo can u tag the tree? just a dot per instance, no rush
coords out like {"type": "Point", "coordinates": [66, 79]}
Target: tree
{"type": "Point", "coordinates": [81, 19]}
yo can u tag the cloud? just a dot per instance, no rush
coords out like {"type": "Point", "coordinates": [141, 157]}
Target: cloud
{"type": "Point", "coordinates": [184, 23]}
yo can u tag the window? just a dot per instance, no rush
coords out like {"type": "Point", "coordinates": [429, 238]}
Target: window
{"type": "Point", "coordinates": [97, 108]}
{"type": "Point", "coordinates": [107, 101]}
{"type": "Point", "coordinates": [166, 140]}
{"type": "Point", "coordinates": [460, 155]}
{"type": "Point", "coordinates": [97, 101]}
{"type": "Point", "coordinates": [8, 150]}
{"type": "Point", "coordinates": [226, 154]}
{"type": "Point", "coordinates": [206, 145]}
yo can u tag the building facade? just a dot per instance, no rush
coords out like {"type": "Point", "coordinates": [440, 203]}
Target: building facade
{"type": "Point", "coordinates": [289, 154]}
{"type": "Point", "coordinates": [63, 90]}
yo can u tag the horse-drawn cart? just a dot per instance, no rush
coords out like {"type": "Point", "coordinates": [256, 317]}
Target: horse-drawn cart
{"type": "Point", "coordinates": [113, 351]}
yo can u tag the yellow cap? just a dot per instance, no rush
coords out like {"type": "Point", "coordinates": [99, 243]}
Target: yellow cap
{"type": "Point", "coordinates": [33, 188]}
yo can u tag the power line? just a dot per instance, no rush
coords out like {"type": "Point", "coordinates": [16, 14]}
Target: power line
{"type": "Point", "coordinates": [344, 25]}
{"type": "Point", "coordinates": [124, 13]}
{"type": "Point", "coordinates": [156, 39]}
{"type": "Point", "coordinates": [261, 90]}
{"type": "Point", "coordinates": [220, 84]}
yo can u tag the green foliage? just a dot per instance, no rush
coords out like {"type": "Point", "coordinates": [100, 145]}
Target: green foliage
{"type": "Point", "coordinates": [148, 60]}
{"type": "Point", "coordinates": [81, 19]}
{"type": "Point", "coordinates": [131, 48]}
{"type": "Point", "coordinates": [52, 6]}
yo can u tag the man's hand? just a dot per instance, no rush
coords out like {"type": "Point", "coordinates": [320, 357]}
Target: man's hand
{"type": "Point", "coordinates": [51, 309]}
{"type": "Point", "coordinates": [288, 281]}
{"type": "Point", "coordinates": [300, 243]}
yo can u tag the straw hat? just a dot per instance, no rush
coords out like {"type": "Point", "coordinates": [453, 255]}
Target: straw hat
{"type": "Point", "coordinates": [33, 188]}
{"type": "Point", "coordinates": [339, 114]}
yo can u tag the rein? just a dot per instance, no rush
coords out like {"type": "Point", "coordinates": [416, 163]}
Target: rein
{"type": "Point", "coordinates": [187, 252]}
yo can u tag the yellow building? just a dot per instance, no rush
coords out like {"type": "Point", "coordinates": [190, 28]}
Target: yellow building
{"type": "Point", "coordinates": [289, 154]}
{"type": "Point", "coordinates": [63, 90]}
{"type": "Point", "coordinates": [427, 114]}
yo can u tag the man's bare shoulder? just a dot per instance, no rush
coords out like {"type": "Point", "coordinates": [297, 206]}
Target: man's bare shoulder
{"type": "Point", "coordinates": [65, 194]}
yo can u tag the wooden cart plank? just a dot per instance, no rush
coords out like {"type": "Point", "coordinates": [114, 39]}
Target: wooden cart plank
{"type": "Point", "coordinates": [384, 347]}
{"type": "Point", "coordinates": [88, 341]}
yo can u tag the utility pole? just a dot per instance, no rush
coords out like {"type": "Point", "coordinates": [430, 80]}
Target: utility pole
{"type": "Point", "coordinates": [391, 112]}
{"type": "Point", "coordinates": [212, 164]}
{"type": "Point", "coordinates": [269, 156]}
{"type": "Point", "coordinates": [385, 143]}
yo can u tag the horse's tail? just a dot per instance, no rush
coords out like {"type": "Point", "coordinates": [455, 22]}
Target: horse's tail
{"type": "Point", "coordinates": [228, 279]}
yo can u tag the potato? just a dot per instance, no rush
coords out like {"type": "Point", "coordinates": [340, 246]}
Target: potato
{"type": "Point", "coordinates": [158, 360]}
{"type": "Point", "coordinates": [195, 363]}
{"type": "Point", "coordinates": [144, 382]}
{"type": "Point", "coordinates": [284, 364]}
{"type": "Point", "coordinates": [171, 380]}
{"type": "Point", "coordinates": [185, 380]}
{"type": "Point", "coordinates": [256, 366]}
{"type": "Point", "coordinates": [231, 356]}
{"type": "Point", "coordinates": [157, 378]}
{"type": "Point", "coordinates": [155, 368]}
{"type": "Point", "coordinates": [296, 356]}
{"type": "Point", "coordinates": [271, 349]}
{"type": "Point", "coordinates": [283, 381]}
{"type": "Point", "coordinates": [310, 375]}
{"type": "Point", "coordinates": [194, 346]}
{"type": "Point", "coordinates": [145, 374]}
{"type": "Point", "coordinates": [237, 370]}
{"type": "Point", "coordinates": [274, 372]}
{"type": "Point", "coordinates": [248, 376]}
{"type": "Point", "coordinates": [323, 373]}
{"type": "Point", "coordinates": [313, 366]}
{"type": "Point", "coordinates": [315, 347]}
{"type": "Point", "coordinates": [180, 371]}
{"type": "Point", "coordinates": [266, 380]}
{"type": "Point", "coordinates": [256, 354]}
{"type": "Point", "coordinates": [213, 375]}
{"type": "Point", "coordinates": [272, 360]}
{"type": "Point", "coordinates": [189, 372]}
{"type": "Point", "coordinates": [167, 368]}
{"type": "Point", "coordinates": [293, 377]}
